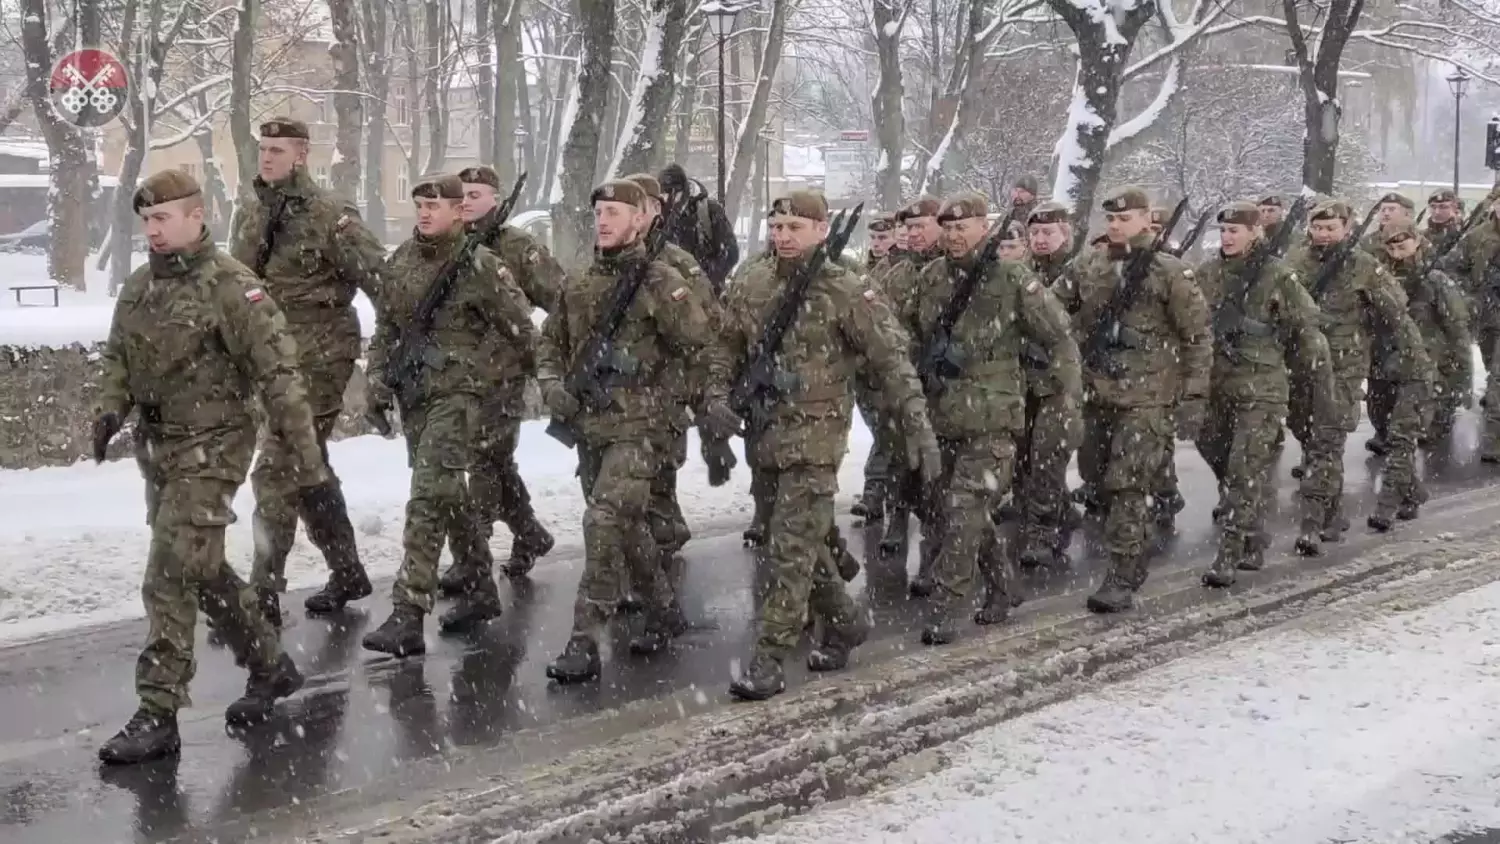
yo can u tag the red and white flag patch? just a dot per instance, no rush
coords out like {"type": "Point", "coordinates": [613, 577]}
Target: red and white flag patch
{"type": "Point", "coordinates": [255, 294]}
{"type": "Point", "coordinates": [679, 294]}
{"type": "Point", "coordinates": [870, 294]}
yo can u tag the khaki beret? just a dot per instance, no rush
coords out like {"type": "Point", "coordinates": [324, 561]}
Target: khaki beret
{"type": "Point", "coordinates": [808, 204]}
{"type": "Point", "coordinates": [1099, 240]}
{"type": "Point", "coordinates": [963, 206]}
{"type": "Point", "coordinates": [1400, 231]}
{"type": "Point", "coordinates": [1273, 200]}
{"type": "Point", "coordinates": [619, 190]}
{"type": "Point", "coordinates": [1049, 212]}
{"type": "Point", "coordinates": [1015, 231]}
{"type": "Point", "coordinates": [284, 127]}
{"type": "Point", "coordinates": [481, 175]}
{"type": "Point", "coordinates": [1331, 209]}
{"type": "Point", "coordinates": [927, 206]}
{"type": "Point", "coordinates": [1159, 216]}
{"type": "Point", "coordinates": [882, 223]}
{"type": "Point", "coordinates": [1398, 199]}
{"type": "Point", "coordinates": [1128, 198]}
{"type": "Point", "coordinates": [438, 186]}
{"type": "Point", "coordinates": [1239, 213]}
{"type": "Point", "coordinates": [1028, 184]}
{"type": "Point", "coordinates": [1443, 195]}
{"type": "Point", "coordinates": [648, 183]}
{"type": "Point", "coordinates": [164, 186]}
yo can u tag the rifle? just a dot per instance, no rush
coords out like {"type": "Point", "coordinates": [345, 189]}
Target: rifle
{"type": "Point", "coordinates": [1230, 320]}
{"type": "Point", "coordinates": [502, 211]}
{"type": "Point", "coordinates": [940, 359]}
{"type": "Point", "coordinates": [1330, 268]}
{"type": "Point", "coordinates": [1193, 234]}
{"type": "Point", "coordinates": [1104, 335]}
{"type": "Point", "coordinates": [756, 391]}
{"type": "Point", "coordinates": [413, 350]}
{"type": "Point", "coordinates": [268, 238]}
{"type": "Point", "coordinates": [595, 367]}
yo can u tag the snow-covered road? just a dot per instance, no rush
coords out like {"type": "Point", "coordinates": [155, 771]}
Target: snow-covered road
{"type": "Point", "coordinates": [1351, 726]}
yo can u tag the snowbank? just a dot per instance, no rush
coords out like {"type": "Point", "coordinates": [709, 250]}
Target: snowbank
{"type": "Point", "coordinates": [1356, 730]}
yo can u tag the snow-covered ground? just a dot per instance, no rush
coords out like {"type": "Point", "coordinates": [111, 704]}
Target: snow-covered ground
{"type": "Point", "coordinates": [1351, 727]}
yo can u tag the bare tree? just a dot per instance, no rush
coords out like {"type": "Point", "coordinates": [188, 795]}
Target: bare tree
{"type": "Point", "coordinates": [643, 138]}
{"type": "Point", "coordinates": [755, 120]}
{"type": "Point", "coordinates": [347, 104]}
{"type": "Point", "coordinates": [511, 105]}
{"type": "Point", "coordinates": [376, 38]}
{"type": "Point", "coordinates": [888, 18]}
{"type": "Point", "coordinates": [574, 178]}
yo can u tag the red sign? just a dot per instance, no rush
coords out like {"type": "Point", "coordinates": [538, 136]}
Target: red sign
{"type": "Point", "coordinates": [854, 135]}
{"type": "Point", "coordinates": [89, 88]}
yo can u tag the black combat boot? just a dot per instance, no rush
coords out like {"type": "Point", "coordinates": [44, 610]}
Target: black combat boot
{"type": "Point", "coordinates": [262, 691]}
{"type": "Point", "coordinates": [1117, 592]}
{"type": "Point", "coordinates": [897, 529]}
{"type": "Point", "coordinates": [941, 627]}
{"type": "Point", "coordinates": [148, 735]}
{"type": "Point", "coordinates": [923, 585]}
{"type": "Point", "coordinates": [656, 629]}
{"type": "Point", "coordinates": [1308, 538]}
{"type": "Point", "coordinates": [578, 663]}
{"type": "Point", "coordinates": [269, 603]}
{"type": "Point", "coordinates": [754, 536]}
{"type": "Point", "coordinates": [478, 604]}
{"type": "Point", "coordinates": [1094, 506]}
{"type": "Point", "coordinates": [762, 680]}
{"type": "Point", "coordinates": [871, 504]}
{"type": "Point", "coordinates": [1382, 520]}
{"type": "Point", "coordinates": [1221, 574]}
{"type": "Point", "coordinates": [530, 543]}
{"type": "Point", "coordinates": [1298, 472]}
{"type": "Point", "coordinates": [453, 581]}
{"type": "Point", "coordinates": [400, 635]}
{"type": "Point", "coordinates": [341, 588]}
{"type": "Point", "coordinates": [1408, 511]}
{"type": "Point", "coordinates": [843, 560]}
{"type": "Point", "coordinates": [1255, 554]}
{"type": "Point", "coordinates": [1377, 446]}
{"type": "Point", "coordinates": [838, 642]}
{"type": "Point", "coordinates": [1166, 506]}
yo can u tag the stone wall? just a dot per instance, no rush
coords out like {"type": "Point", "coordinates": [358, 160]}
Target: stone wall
{"type": "Point", "coordinates": [47, 397]}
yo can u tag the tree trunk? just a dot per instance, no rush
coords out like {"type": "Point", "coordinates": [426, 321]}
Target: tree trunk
{"type": "Point", "coordinates": [755, 118]}
{"type": "Point", "coordinates": [527, 125]}
{"type": "Point", "coordinates": [890, 124]}
{"type": "Point", "coordinates": [67, 200]}
{"type": "Point", "coordinates": [413, 94]}
{"type": "Point", "coordinates": [348, 106]}
{"type": "Point", "coordinates": [510, 91]}
{"type": "Point", "coordinates": [377, 67]}
{"type": "Point", "coordinates": [1318, 77]}
{"type": "Point", "coordinates": [485, 85]}
{"type": "Point", "coordinates": [682, 145]}
{"type": "Point", "coordinates": [216, 193]}
{"type": "Point", "coordinates": [242, 66]}
{"type": "Point", "coordinates": [570, 211]}
{"type": "Point", "coordinates": [435, 31]}
{"type": "Point", "coordinates": [952, 116]}
{"type": "Point", "coordinates": [642, 142]}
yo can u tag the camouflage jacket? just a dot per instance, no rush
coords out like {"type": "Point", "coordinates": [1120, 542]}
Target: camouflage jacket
{"type": "Point", "coordinates": [688, 379]}
{"type": "Point", "coordinates": [899, 281]}
{"type": "Point", "coordinates": [1011, 309]}
{"type": "Point", "coordinates": [1442, 236]}
{"type": "Point", "coordinates": [321, 254]}
{"type": "Point", "coordinates": [1050, 267]}
{"type": "Point", "coordinates": [531, 265]}
{"type": "Point", "coordinates": [664, 332]}
{"type": "Point", "coordinates": [1165, 346]}
{"type": "Point", "coordinates": [1262, 327]}
{"type": "Point", "coordinates": [194, 342]}
{"type": "Point", "coordinates": [1441, 313]}
{"type": "Point", "coordinates": [1475, 264]}
{"type": "Point", "coordinates": [836, 332]}
{"type": "Point", "coordinates": [1363, 299]}
{"type": "Point", "coordinates": [484, 311]}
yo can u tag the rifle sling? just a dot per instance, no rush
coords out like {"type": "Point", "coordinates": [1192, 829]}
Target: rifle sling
{"type": "Point", "coordinates": [268, 237]}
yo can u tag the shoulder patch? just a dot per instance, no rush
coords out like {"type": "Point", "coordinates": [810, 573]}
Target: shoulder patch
{"type": "Point", "coordinates": [870, 294]}
{"type": "Point", "coordinates": [1033, 286]}
{"type": "Point", "coordinates": [344, 221]}
{"type": "Point", "coordinates": [1187, 273]}
{"type": "Point", "coordinates": [255, 294]}
{"type": "Point", "coordinates": [679, 294]}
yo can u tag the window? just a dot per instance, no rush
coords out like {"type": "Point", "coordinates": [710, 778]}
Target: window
{"type": "Point", "coordinates": [321, 174]}
{"type": "Point", "coordinates": [401, 117]}
{"type": "Point", "coordinates": [401, 189]}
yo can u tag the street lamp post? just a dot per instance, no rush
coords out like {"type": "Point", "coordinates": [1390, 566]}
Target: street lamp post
{"type": "Point", "coordinates": [1458, 83]}
{"type": "Point", "coordinates": [721, 17]}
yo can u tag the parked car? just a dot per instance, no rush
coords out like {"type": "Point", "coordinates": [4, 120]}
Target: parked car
{"type": "Point", "coordinates": [35, 236]}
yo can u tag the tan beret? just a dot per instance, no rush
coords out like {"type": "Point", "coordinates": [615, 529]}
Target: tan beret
{"type": "Point", "coordinates": [1274, 200]}
{"type": "Point", "coordinates": [1239, 213]}
{"type": "Point", "coordinates": [164, 186]}
{"type": "Point", "coordinates": [1398, 199]}
{"type": "Point", "coordinates": [926, 206]}
{"type": "Point", "coordinates": [1400, 231]}
{"type": "Point", "coordinates": [1331, 209]}
{"type": "Point", "coordinates": [284, 127]}
{"type": "Point", "coordinates": [1443, 195]}
{"type": "Point", "coordinates": [1128, 198]}
{"type": "Point", "coordinates": [1028, 184]}
{"type": "Point", "coordinates": [882, 223]}
{"type": "Point", "coordinates": [648, 183]}
{"type": "Point", "coordinates": [1159, 216]}
{"type": "Point", "coordinates": [481, 175]}
{"type": "Point", "coordinates": [438, 186]}
{"type": "Point", "coordinates": [1049, 212]}
{"type": "Point", "coordinates": [964, 206]}
{"type": "Point", "coordinates": [619, 190]}
{"type": "Point", "coordinates": [809, 204]}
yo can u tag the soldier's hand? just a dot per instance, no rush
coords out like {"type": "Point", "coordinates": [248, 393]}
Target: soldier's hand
{"type": "Point", "coordinates": [719, 422]}
{"type": "Point", "coordinates": [924, 455]}
{"type": "Point", "coordinates": [106, 425]}
{"type": "Point", "coordinates": [560, 403]}
{"type": "Point", "coordinates": [312, 471]}
{"type": "Point", "coordinates": [378, 411]}
{"type": "Point", "coordinates": [1190, 413]}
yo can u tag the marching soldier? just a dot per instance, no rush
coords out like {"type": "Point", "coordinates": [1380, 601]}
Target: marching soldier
{"type": "Point", "coordinates": [1443, 220]}
{"type": "Point", "coordinates": [836, 330]}
{"type": "Point", "coordinates": [313, 253]}
{"type": "Point", "coordinates": [1356, 299]}
{"type": "Point", "coordinates": [622, 446]}
{"type": "Point", "coordinates": [434, 367]}
{"type": "Point", "coordinates": [1023, 197]}
{"type": "Point", "coordinates": [979, 413]}
{"type": "Point", "coordinates": [1272, 210]}
{"type": "Point", "coordinates": [882, 238]}
{"type": "Point", "coordinates": [1167, 500]}
{"type": "Point", "coordinates": [703, 229]}
{"type": "Point", "coordinates": [1394, 210]}
{"type": "Point", "coordinates": [1264, 322]}
{"type": "Point", "coordinates": [1156, 365]}
{"type": "Point", "coordinates": [496, 489]}
{"type": "Point", "coordinates": [194, 342]}
{"type": "Point", "coordinates": [1475, 264]}
{"type": "Point", "coordinates": [871, 503]}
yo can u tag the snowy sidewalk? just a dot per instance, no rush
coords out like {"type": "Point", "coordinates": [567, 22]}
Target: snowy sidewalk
{"type": "Point", "coordinates": [1344, 728]}
{"type": "Point", "coordinates": [73, 539]}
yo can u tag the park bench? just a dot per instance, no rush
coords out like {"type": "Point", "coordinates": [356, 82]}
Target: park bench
{"type": "Point", "coordinates": [41, 285]}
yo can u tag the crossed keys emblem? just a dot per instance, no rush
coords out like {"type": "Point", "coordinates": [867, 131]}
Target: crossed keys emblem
{"type": "Point", "coordinates": [89, 91]}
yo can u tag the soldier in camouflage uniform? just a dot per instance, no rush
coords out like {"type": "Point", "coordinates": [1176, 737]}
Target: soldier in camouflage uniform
{"type": "Point", "coordinates": [313, 256]}
{"type": "Point", "coordinates": [1162, 353]}
{"type": "Point", "coordinates": [194, 342]}
{"type": "Point", "coordinates": [979, 414]}
{"type": "Point", "coordinates": [1272, 210]}
{"type": "Point", "coordinates": [1263, 324]}
{"type": "Point", "coordinates": [1041, 485]}
{"type": "Point", "coordinates": [882, 238]}
{"type": "Point", "coordinates": [1443, 220]}
{"type": "Point", "coordinates": [703, 229]}
{"type": "Point", "coordinates": [440, 405]}
{"type": "Point", "coordinates": [1358, 301]}
{"type": "Point", "coordinates": [623, 446]}
{"type": "Point", "coordinates": [1394, 210]}
{"type": "Point", "coordinates": [1023, 197]}
{"type": "Point", "coordinates": [836, 330]}
{"type": "Point", "coordinates": [871, 504]}
{"type": "Point", "coordinates": [1475, 264]}
{"type": "Point", "coordinates": [496, 489]}
{"type": "Point", "coordinates": [1167, 500]}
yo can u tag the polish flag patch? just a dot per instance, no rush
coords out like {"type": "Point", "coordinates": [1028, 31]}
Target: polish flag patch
{"type": "Point", "coordinates": [255, 294]}
{"type": "Point", "coordinates": [870, 295]}
{"type": "Point", "coordinates": [679, 294]}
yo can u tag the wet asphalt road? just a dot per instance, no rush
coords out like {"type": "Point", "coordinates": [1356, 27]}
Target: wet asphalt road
{"type": "Point", "coordinates": [368, 729]}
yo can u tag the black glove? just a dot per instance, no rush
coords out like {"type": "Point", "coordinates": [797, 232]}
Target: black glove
{"type": "Point", "coordinates": [720, 459]}
{"type": "Point", "coordinates": [378, 415]}
{"type": "Point", "coordinates": [106, 425]}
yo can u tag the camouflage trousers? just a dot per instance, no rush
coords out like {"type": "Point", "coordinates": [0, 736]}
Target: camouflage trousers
{"type": "Point", "coordinates": [619, 549]}
{"type": "Point", "coordinates": [186, 570]}
{"type": "Point", "coordinates": [1121, 456]}
{"type": "Point", "coordinates": [1489, 350]}
{"type": "Point", "coordinates": [976, 473]}
{"type": "Point", "coordinates": [1405, 410]}
{"type": "Point", "coordinates": [668, 525]}
{"type": "Point", "coordinates": [1041, 476]}
{"type": "Point", "coordinates": [439, 449]}
{"type": "Point", "coordinates": [279, 503]}
{"type": "Point", "coordinates": [497, 491]}
{"type": "Point", "coordinates": [803, 576]}
{"type": "Point", "coordinates": [1322, 489]}
{"type": "Point", "coordinates": [878, 463]}
{"type": "Point", "coordinates": [1238, 441]}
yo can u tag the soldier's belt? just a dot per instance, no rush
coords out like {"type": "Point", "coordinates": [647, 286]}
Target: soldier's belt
{"type": "Point", "coordinates": [1255, 328]}
{"type": "Point", "coordinates": [1130, 338]}
{"type": "Point", "coordinates": [314, 311]}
